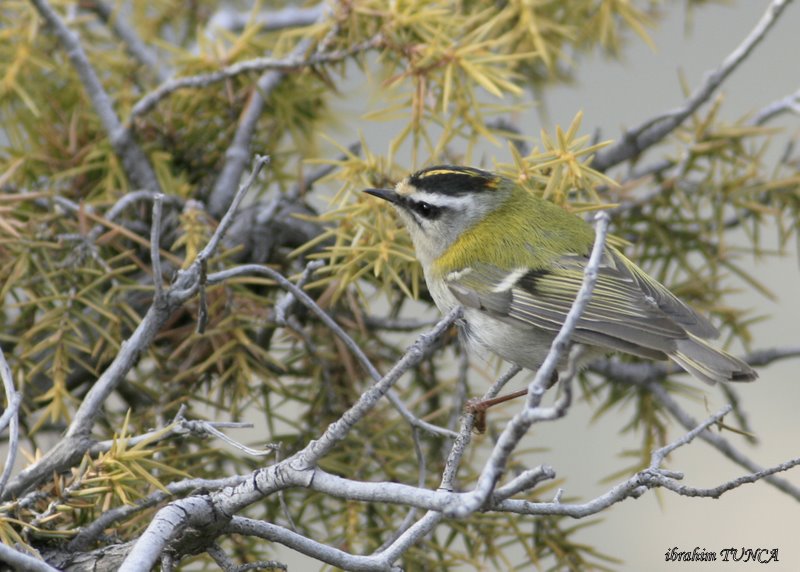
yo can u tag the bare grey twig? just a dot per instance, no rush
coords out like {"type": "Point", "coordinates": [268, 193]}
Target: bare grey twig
{"type": "Point", "coordinates": [111, 214]}
{"type": "Point", "coordinates": [11, 418]}
{"type": "Point", "coordinates": [658, 456]}
{"type": "Point", "coordinates": [525, 481]}
{"type": "Point", "coordinates": [213, 243]}
{"type": "Point", "coordinates": [652, 477]}
{"type": "Point", "coordinates": [89, 534]}
{"type": "Point", "coordinates": [642, 372]}
{"type": "Point", "coordinates": [136, 164]}
{"type": "Point", "coordinates": [182, 426]}
{"type": "Point", "coordinates": [305, 299]}
{"type": "Point", "coordinates": [719, 490]}
{"type": "Point", "coordinates": [769, 355]}
{"type": "Point", "coordinates": [77, 439]}
{"type": "Point", "coordinates": [120, 25]}
{"type": "Point", "coordinates": [21, 561]}
{"type": "Point", "coordinates": [284, 305]}
{"type": "Point", "coordinates": [224, 561]}
{"type": "Point", "coordinates": [650, 375]}
{"type": "Point", "coordinates": [521, 422]}
{"type": "Point", "coordinates": [719, 442]}
{"type": "Point", "coordinates": [266, 20]}
{"type": "Point", "coordinates": [239, 150]}
{"type": "Point", "coordinates": [396, 324]}
{"type": "Point", "coordinates": [210, 248]}
{"type": "Point", "coordinates": [635, 141]}
{"type": "Point", "coordinates": [409, 538]}
{"type": "Point", "coordinates": [12, 404]}
{"type": "Point", "coordinates": [296, 60]}
{"type": "Point", "coordinates": [155, 247]}
{"type": "Point", "coordinates": [304, 545]}
{"type": "Point", "coordinates": [211, 429]}
{"type": "Point", "coordinates": [298, 470]}
{"type": "Point", "coordinates": [788, 104]}
{"type": "Point", "coordinates": [501, 382]}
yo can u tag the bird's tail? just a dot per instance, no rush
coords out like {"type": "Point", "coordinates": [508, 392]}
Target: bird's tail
{"type": "Point", "coordinates": [709, 364]}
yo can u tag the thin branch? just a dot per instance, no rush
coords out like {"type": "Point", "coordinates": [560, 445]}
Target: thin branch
{"type": "Point", "coordinates": [12, 405]}
{"type": "Point", "coordinates": [20, 561]}
{"type": "Point", "coordinates": [182, 426]}
{"type": "Point", "coordinates": [770, 355]}
{"type": "Point", "coordinates": [284, 305]}
{"type": "Point", "coordinates": [719, 442]}
{"type": "Point", "coordinates": [525, 481]}
{"type": "Point", "coordinates": [213, 244]}
{"type": "Point", "coordinates": [155, 249]}
{"type": "Point", "coordinates": [239, 150]}
{"type": "Point", "coordinates": [224, 561]}
{"type": "Point", "coordinates": [643, 372]}
{"type": "Point", "coordinates": [295, 471]}
{"type": "Point", "coordinates": [303, 545]}
{"type": "Point", "coordinates": [134, 196]}
{"type": "Point", "coordinates": [77, 439]}
{"type": "Point", "coordinates": [520, 423]}
{"type": "Point", "coordinates": [267, 20]}
{"type": "Point", "coordinates": [637, 140]}
{"type": "Point", "coordinates": [355, 349]}
{"type": "Point", "coordinates": [298, 470]}
{"type": "Point", "coordinates": [89, 534]}
{"type": "Point", "coordinates": [650, 376]}
{"type": "Point", "coordinates": [788, 104]}
{"type": "Point", "coordinates": [652, 477]}
{"type": "Point", "coordinates": [260, 162]}
{"type": "Point", "coordinates": [501, 382]}
{"type": "Point", "coordinates": [719, 490]}
{"type": "Point", "coordinates": [307, 180]}
{"type": "Point", "coordinates": [562, 404]}
{"type": "Point", "coordinates": [120, 25]}
{"type": "Point", "coordinates": [10, 417]}
{"type": "Point", "coordinates": [658, 456]}
{"type": "Point", "coordinates": [410, 537]}
{"type": "Point", "coordinates": [295, 61]}
{"type": "Point", "coordinates": [211, 429]}
{"type": "Point", "coordinates": [111, 214]}
{"type": "Point", "coordinates": [137, 167]}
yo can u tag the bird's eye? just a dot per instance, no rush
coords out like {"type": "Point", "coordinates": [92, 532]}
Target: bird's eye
{"type": "Point", "coordinates": [426, 210]}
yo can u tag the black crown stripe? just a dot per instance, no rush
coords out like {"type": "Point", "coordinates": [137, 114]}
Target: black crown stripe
{"type": "Point", "coordinates": [449, 180]}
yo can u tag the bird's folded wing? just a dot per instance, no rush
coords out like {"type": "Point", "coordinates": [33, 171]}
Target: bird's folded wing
{"type": "Point", "coordinates": [628, 311]}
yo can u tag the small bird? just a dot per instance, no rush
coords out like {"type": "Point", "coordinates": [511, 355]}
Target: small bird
{"type": "Point", "coordinates": [515, 263]}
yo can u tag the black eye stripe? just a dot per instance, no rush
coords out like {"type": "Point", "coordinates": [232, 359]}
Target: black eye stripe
{"type": "Point", "coordinates": [425, 210]}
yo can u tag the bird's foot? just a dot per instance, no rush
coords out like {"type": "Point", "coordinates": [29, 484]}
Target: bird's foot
{"type": "Point", "coordinates": [478, 407]}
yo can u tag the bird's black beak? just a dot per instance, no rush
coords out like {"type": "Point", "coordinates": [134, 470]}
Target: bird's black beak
{"type": "Point", "coordinates": [385, 194]}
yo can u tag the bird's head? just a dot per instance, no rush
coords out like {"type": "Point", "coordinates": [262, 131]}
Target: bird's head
{"type": "Point", "coordinates": [439, 203]}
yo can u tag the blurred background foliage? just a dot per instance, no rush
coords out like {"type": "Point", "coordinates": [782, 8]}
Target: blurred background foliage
{"type": "Point", "coordinates": [448, 80]}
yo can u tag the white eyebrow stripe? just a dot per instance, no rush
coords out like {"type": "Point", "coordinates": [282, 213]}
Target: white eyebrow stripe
{"type": "Point", "coordinates": [510, 280]}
